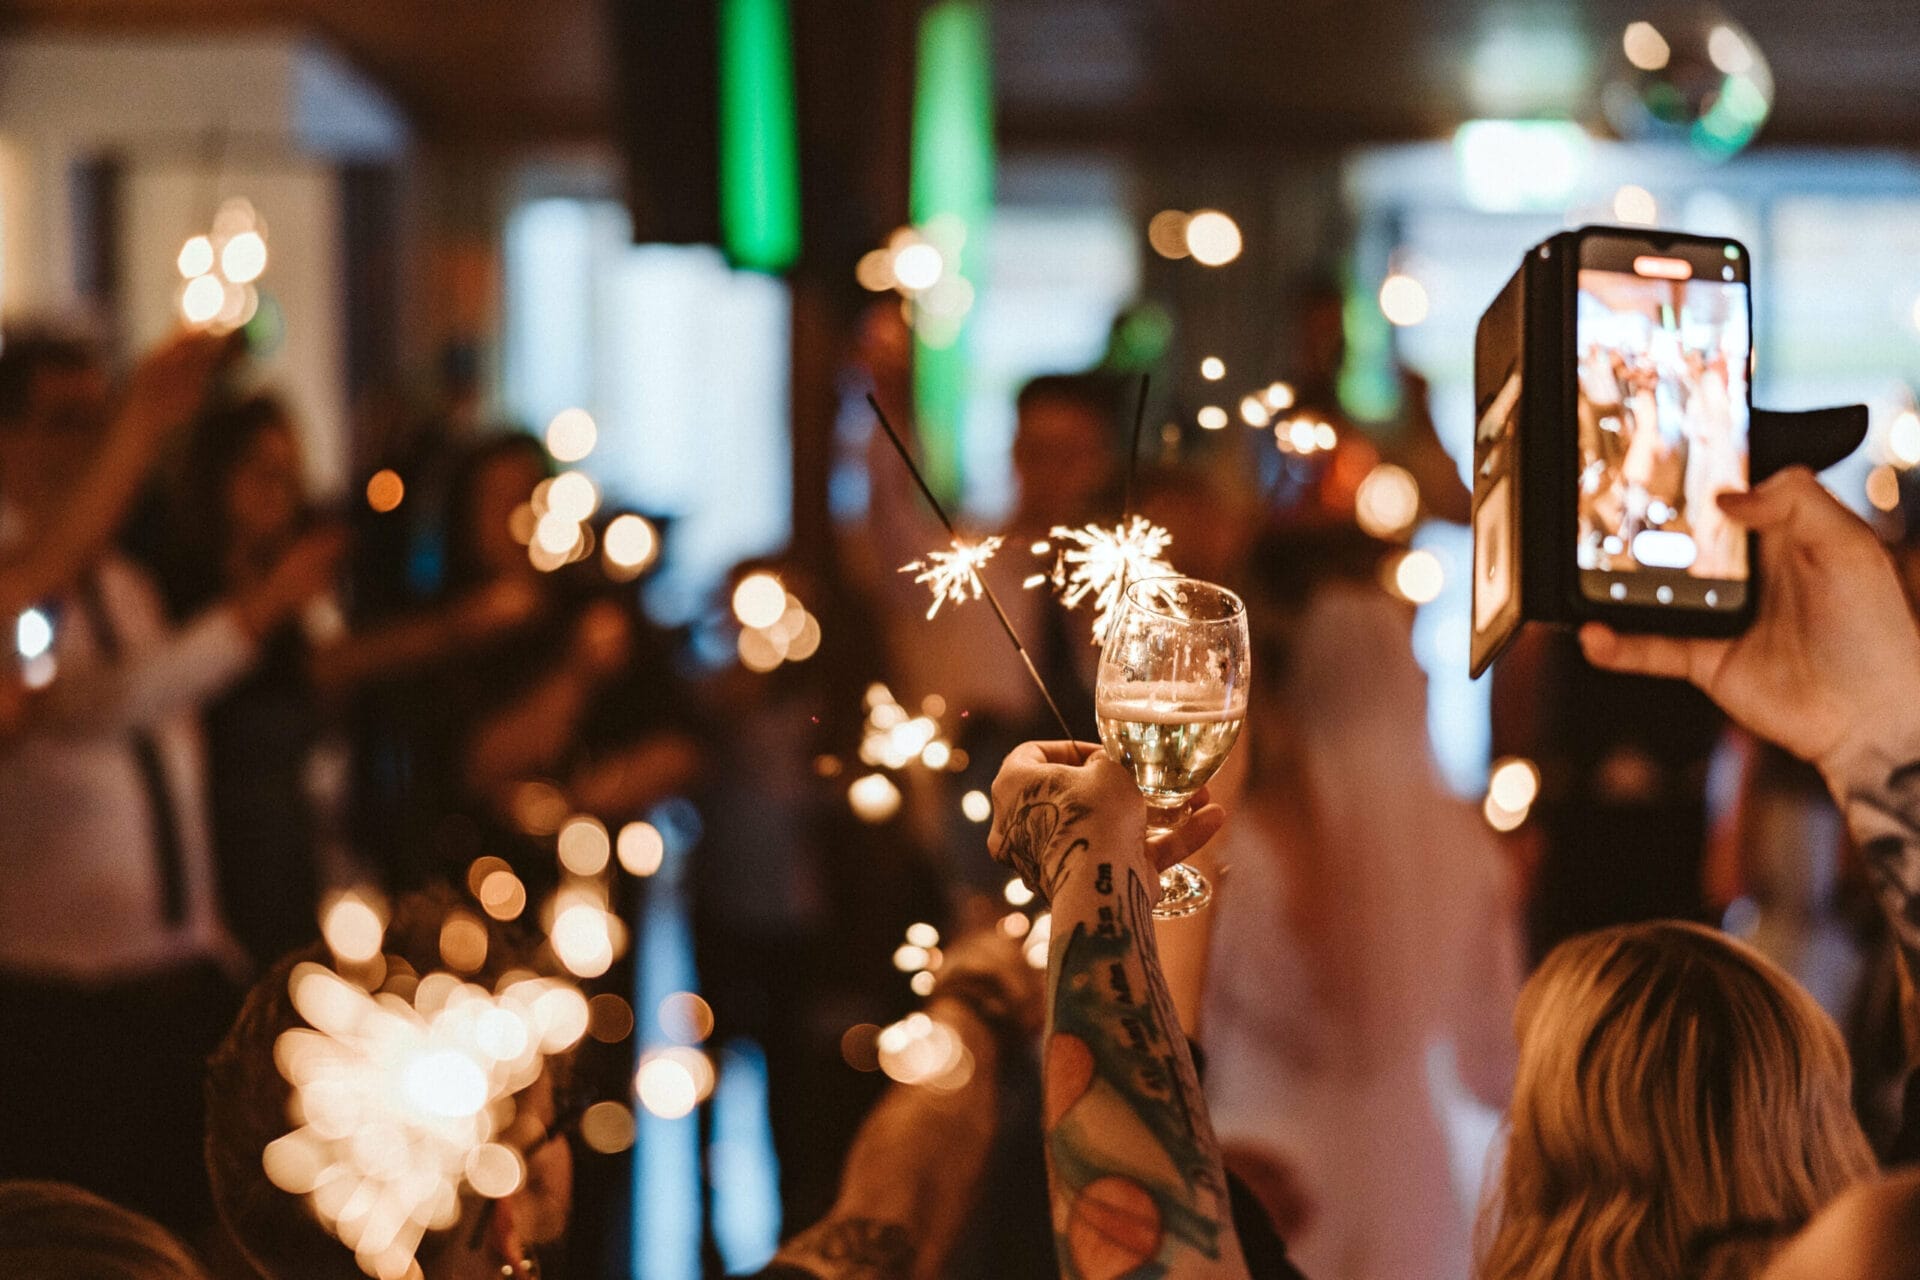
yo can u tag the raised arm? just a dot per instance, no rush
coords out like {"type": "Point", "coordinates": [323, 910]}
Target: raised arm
{"type": "Point", "coordinates": [165, 393]}
{"type": "Point", "coordinates": [1133, 1168]}
{"type": "Point", "coordinates": [1830, 671]}
{"type": "Point", "coordinates": [915, 1168]}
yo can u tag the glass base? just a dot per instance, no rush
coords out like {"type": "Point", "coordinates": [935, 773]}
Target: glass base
{"type": "Point", "coordinates": [1183, 891]}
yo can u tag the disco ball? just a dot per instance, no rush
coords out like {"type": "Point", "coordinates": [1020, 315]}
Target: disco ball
{"type": "Point", "coordinates": [1692, 75]}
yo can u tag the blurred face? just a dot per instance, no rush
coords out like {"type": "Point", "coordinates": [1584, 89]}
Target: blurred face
{"type": "Point", "coordinates": [1062, 458]}
{"type": "Point", "coordinates": [46, 448]}
{"type": "Point", "coordinates": [266, 488]}
{"type": "Point", "coordinates": [502, 485]}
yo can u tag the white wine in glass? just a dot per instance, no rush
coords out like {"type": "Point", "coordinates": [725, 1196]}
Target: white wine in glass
{"type": "Point", "coordinates": [1170, 700]}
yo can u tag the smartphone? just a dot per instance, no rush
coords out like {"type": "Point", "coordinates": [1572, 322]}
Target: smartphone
{"type": "Point", "coordinates": [1662, 405]}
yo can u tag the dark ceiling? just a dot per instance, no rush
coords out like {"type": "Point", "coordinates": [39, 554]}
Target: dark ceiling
{"type": "Point", "coordinates": [1144, 74]}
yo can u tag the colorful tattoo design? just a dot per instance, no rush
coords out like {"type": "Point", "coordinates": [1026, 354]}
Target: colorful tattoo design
{"type": "Point", "coordinates": [1136, 1171]}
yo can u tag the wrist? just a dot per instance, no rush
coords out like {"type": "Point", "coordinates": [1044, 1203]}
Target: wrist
{"type": "Point", "coordinates": [1863, 760]}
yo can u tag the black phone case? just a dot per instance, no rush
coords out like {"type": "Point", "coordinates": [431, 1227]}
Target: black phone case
{"type": "Point", "coordinates": [1524, 356]}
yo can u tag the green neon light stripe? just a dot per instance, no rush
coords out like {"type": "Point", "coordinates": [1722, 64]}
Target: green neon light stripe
{"type": "Point", "coordinates": [759, 136]}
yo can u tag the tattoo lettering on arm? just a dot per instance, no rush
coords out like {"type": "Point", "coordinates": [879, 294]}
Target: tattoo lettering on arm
{"type": "Point", "coordinates": [1042, 819]}
{"type": "Point", "coordinates": [1138, 1187]}
{"type": "Point", "coordinates": [854, 1249]}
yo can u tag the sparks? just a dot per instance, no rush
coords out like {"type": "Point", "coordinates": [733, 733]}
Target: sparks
{"type": "Point", "coordinates": [954, 575]}
{"type": "Point", "coordinates": [397, 1103]}
{"type": "Point", "coordinates": [1101, 560]}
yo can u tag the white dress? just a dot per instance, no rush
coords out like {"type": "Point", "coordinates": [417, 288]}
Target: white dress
{"type": "Point", "coordinates": [1348, 965]}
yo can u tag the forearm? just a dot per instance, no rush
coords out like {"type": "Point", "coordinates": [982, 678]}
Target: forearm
{"type": "Point", "coordinates": [1879, 791]}
{"type": "Point", "coordinates": [529, 735]}
{"type": "Point", "coordinates": [912, 1173]}
{"type": "Point", "coordinates": [638, 777]}
{"type": "Point", "coordinates": [89, 514]}
{"type": "Point", "coordinates": [151, 686]}
{"type": "Point", "coordinates": [1133, 1167]}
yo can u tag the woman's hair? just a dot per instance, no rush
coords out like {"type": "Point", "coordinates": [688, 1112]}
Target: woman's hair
{"type": "Point", "coordinates": [1682, 1107]}
{"type": "Point", "coordinates": [463, 567]}
{"type": "Point", "coordinates": [198, 529]}
{"type": "Point", "coordinates": [50, 1229]}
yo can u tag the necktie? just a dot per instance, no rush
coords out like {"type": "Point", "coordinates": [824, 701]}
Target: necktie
{"type": "Point", "coordinates": [153, 773]}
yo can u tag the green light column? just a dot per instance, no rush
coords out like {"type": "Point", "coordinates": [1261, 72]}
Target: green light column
{"type": "Point", "coordinates": [759, 148]}
{"type": "Point", "coordinates": [951, 180]}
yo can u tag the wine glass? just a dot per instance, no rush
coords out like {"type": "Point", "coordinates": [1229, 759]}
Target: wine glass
{"type": "Point", "coordinates": [1170, 698]}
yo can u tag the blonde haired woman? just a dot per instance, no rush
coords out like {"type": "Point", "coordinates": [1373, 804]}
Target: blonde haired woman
{"type": "Point", "coordinates": [1681, 1109]}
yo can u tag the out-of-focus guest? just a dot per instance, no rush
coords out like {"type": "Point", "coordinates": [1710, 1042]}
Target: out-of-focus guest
{"type": "Point", "coordinates": [1367, 927]}
{"type": "Point", "coordinates": [272, 796]}
{"type": "Point", "coordinates": [1682, 1106]}
{"type": "Point", "coordinates": [53, 1231]}
{"type": "Point", "coordinates": [166, 392]}
{"type": "Point", "coordinates": [583, 696]}
{"type": "Point", "coordinates": [111, 942]}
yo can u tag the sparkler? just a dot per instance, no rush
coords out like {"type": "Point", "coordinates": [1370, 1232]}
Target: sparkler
{"type": "Point", "coordinates": [954, 575]}
{"type": "Point", "coordinates": [1102, 561]}
{"type": "Point", "coordinates": [397, 1104]}
{"type": "Point", "coordinates": [986, 589]}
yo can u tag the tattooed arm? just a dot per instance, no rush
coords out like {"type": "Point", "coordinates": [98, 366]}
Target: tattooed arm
{"type": "Point", "coordinates": [1830, 671]}
{"type": "Point", "coordinates": [1135, 1175]}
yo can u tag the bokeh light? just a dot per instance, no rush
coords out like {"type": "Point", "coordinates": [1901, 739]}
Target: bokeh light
{"type": "Point", "coordinates": [385, 490]}
{"type": "Point", "coordinates": [918, 266]}
{"type": "Point", "coordinates": [354, 924]}
{"type": "Point", "coordinates": [873, 797]}
{"type": "Point", "coordinates": [1017, 893]}
{"type": "Point", "coordinates": [32, 634]}
{"type": "Point", "coordinates": [463, 942]}
{"type": "Point", "coordinates": [1903, 439]}
{"type": "Point", "coordinates": [1635, 206]}
{"type": "Point", "coordinates": [1514, 783]}
{"type": "Point", "coordinates": [685, 1018]}
{"type": "Point", "coordinates": [572, 435]}
{"type": "Point", "coordinates": [1211, 417]}
{"type": "Point", "coordinates": [583, 847]}
{"type": "Point", "coordinates": [609, 1018]}
{"type": "Point", "coordinates": [666, 1087]}
{"type": "Point", "coordinates": [1279, 396]}
{"type": "Point", "coordinates": [502, 895]}
{"type": "Point", "coordinates": [572, 496]}
{"type": "Point", "coordinates": [1645, 47]}
{"type": "Point", "coordinates": [976, 807]}
{"type": "Point", "coordinates": [1883, 488]}
{"type": "Point", "coordinates": [1213, 368]}
{"type": "Point", "coordinates": [201, 300]}
{"type": "Point", "coordinates": [759, 600]}
{"type": "Point", "coordinates": [607, 1127]}
{"type": "Point", "coordinates": [630, 545]}
{"type": "Point", "coordinates": [1418, 577]}
{"type": "Point", "coordinates": [641, 848]}
{"type": "Point", "coordinates": [1213, 238]}
{"type": "Point", "coordinates": [196, 257]}
{"type": "Point", "coordinates": [1167, 233]}
{"type": "Point", "coordinates": [495, 1170]}
{"type": "Point", "coordinates": [1387, 502]}
{"type": "Point", "coordinates": [1403, 300]}
{"type": "Point", "coordinates": [244, 257]}
{"type": "Point", "coordinates": [1254, 411]}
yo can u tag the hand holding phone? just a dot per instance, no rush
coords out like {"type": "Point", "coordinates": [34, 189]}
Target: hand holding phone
{"type": "Point", "coordinates": [1832, 663]}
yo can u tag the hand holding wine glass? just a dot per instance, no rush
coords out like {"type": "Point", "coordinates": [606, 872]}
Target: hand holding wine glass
{"type": "Point", "coordinates": [1170, 698]}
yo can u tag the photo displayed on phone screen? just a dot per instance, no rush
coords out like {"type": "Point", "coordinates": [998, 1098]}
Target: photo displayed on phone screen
{"type": "Point", "coordinates": [1662, 347]}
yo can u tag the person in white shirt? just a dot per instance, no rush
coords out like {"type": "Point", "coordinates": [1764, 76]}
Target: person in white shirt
{"type": "Point", "coordinates": [113, 980]}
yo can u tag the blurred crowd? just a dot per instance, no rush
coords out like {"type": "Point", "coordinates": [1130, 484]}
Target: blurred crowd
{"type": "Point", "coordinates": [243, 719]}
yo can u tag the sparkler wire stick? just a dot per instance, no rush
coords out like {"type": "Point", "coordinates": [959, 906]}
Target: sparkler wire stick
{"type": "Point", "coordinates": [1006, 623]}
{"type": "Point", "coordinates": [1133, 456]}
{"type": "Point", "coordinates": [1126, 495]}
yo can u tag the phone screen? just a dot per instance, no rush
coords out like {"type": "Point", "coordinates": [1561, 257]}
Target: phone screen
{"type": "Point", "coordinates": [1663, 347]}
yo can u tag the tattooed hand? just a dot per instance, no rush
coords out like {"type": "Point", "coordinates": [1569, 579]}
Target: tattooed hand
{"type": "Point", "coordinates": [1831, 665]}
{"type": "Point", "coordinates": [1054, 800]}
